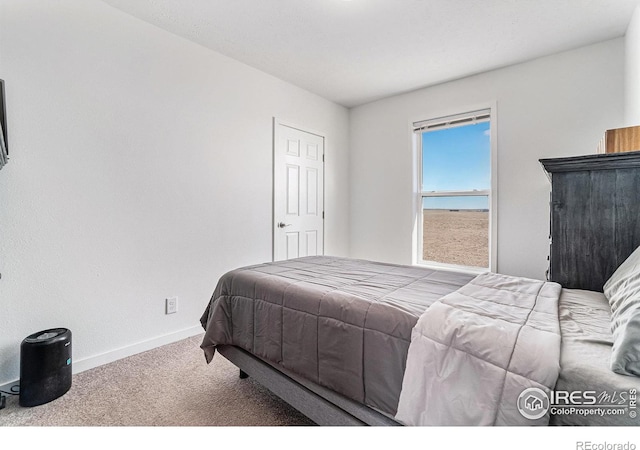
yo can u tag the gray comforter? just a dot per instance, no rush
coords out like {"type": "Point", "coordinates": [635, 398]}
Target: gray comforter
{"type": "Point", "coordinates": [481, 354]}
{"type": "Point", "coordinates": [342, 323]}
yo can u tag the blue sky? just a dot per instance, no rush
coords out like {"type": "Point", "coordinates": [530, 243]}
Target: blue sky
{"type": "Point", "coordinates": [457, 159]}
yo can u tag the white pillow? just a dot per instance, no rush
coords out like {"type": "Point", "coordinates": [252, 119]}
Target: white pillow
{"type": "Point", "coordinates": [623, 292]}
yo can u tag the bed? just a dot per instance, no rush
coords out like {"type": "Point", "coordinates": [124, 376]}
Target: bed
{"type": "Point", "coordinates": [587, 340]}
{"type": "Point", "coordinates": [332, 337]}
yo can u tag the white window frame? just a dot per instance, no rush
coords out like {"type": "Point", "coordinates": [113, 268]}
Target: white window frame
{"type": "Point", "coordinates": [416, 129]}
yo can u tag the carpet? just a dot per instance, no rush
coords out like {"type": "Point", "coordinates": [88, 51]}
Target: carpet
{"type": "Point", "coordinates": [168, 386]}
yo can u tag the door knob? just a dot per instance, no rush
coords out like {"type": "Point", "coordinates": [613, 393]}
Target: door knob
{"type": "Point", "coordinates": [282, 225]}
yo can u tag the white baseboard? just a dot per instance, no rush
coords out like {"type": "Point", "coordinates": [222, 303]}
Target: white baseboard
{"type": "Point", "coordinates": [114, 355]}
{"type": "Point", "coordinates": [122, 352]}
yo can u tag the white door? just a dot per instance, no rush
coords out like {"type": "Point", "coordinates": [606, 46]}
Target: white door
{"type": "Point", "coordinates": [298, 193]}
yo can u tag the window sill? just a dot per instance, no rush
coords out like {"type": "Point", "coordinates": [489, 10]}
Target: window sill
{"type": "Point", "coordinates": [453, 267]}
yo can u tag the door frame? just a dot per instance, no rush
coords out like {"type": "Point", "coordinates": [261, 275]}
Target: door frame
{"type": "Point", "coordinates": [275, 135]}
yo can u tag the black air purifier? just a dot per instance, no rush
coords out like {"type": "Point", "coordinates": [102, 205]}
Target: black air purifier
{"type": "Point", "coordinates": [45, 366]}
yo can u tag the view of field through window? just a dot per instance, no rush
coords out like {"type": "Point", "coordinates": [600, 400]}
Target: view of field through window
{"type": "Point", "coordinates": [455, 227]}
{"type": "Point", "coordinates": [459, 236]}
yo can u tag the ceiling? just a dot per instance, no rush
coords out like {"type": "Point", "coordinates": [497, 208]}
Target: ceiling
{"type": "Point", "coordinates": [353, 52]}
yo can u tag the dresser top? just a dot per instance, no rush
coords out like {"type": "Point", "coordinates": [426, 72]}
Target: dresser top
{"type": "Point", "coordinates": [601, 161]}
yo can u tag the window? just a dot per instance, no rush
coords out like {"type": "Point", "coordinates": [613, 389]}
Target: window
{"type": "Point", "coordinates": [455, 191]}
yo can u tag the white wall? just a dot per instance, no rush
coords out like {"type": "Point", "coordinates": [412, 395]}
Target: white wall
{"type": "Point", "coordinates": [550, 107]}
{"type": "Point", "coordinates": [140, 168]}
{"type": "Point", "coordinates": [632, 73]}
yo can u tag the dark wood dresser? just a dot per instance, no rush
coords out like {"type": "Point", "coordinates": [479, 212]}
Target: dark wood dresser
{"type": "Point", "coordinates": [595, 216]}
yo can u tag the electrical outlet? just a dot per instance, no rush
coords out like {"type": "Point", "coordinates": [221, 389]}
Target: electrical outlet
{"type": "Point", "coordinates": [171, 305]}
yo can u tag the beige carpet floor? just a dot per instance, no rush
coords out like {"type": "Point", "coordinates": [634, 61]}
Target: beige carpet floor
{"type": "Point", "coordinates": [167, 386]}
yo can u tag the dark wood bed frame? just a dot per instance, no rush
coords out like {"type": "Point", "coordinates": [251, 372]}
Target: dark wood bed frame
{"type": "Point", "coordinates": [322, 405]}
